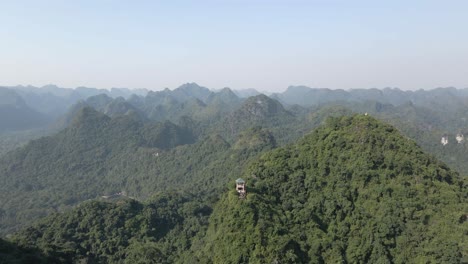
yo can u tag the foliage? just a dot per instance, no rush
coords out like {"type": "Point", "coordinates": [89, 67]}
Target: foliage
{"type": "Point", "coordinates": [355, 190]}
{"type": "Point", "coordinates": [159, 231]}
{"type": "Point", "coordinates": [53, 173]}
{"type": "Point", "coordinates": [11, 253]}
{"type": "Point", "coordinates": [352, 191]}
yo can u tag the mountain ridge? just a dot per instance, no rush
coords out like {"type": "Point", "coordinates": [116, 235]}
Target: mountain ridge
{"type": "Point", "coordinates": [306, 203]}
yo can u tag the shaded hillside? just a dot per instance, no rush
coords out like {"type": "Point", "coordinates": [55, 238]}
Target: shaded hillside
{"type": "Point", "coordinates": [189, 100]}
{"type": "Point", "coordinates": [54, 101]}
{"type": "Point", "coordinates": [427, 127]}
{"type": "Point", "coordinates": [98, 155]}
{"type": "Point", "coordinates": [76, 164]}
{"type": "Point", "coordinates": [219, 104]}
{"type": "Point", "coordinates": [354, 190]}
{"type": "Point", "coordinates": [10, 253]}
{"type": "Point", "coordinates": [16, 115]}
{"type": "Point", "coordinates": [424, 125]}
{"type": "Point", "coordinates": [263, 111]}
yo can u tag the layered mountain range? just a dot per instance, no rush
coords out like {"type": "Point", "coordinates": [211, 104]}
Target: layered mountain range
{"type": "Point", "coordinates": [354, 190]}
{"type": "Point", "coordinates": [122, 177]}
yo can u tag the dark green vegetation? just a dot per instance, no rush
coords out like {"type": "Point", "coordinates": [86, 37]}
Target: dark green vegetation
{"type": "Point", "coordinates": [11, 253]}
{"type": "Point", "coordinates": [427, 125]}
{"type": "Point", "coordinates": [354, 191]}
{"type": "Point", "coordinates": [98, 155]}
{"type": "Point", "coordinates": [159, 231]}
{"type": "Point", "coordinates": [12, 140]}
{"type": "Point", "coordinates": [422, 115]}
{"type": "Point", "coordinates": [111, 146]}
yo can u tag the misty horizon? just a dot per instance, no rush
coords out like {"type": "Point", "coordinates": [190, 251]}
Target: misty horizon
{"type": "Point", "coordinates": [219, 89]}
{"type": "Point", "coordinates": [238, 44]}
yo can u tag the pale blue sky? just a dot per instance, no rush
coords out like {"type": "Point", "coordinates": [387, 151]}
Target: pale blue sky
{"type": "Point", "coordinates": [267, 45]}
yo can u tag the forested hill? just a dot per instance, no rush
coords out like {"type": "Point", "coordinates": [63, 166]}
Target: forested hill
{"type": "Point", "coordinates": [98, 155]}
{"type": "Point", "coordinates": [79, 163]}
{"type": "Point", "coordinates": [423, 115]}
{"type": "Point", "coordinates": [353, 191]}
{"type": "Point", "coordinates": [163, 230]}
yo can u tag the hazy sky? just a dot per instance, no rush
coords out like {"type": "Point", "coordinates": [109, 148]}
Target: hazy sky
{"type": "Point", "coordinates": [265, 44]}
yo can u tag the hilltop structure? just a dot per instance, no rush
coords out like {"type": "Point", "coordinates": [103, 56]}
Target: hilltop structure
{"type": "Point", "coordinates": [240, 188]}
{"type": "Point", "coordinates": [444, 140]}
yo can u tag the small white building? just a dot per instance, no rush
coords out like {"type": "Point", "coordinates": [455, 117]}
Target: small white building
{"type": "Point", "coordinates": [460, 138]}
{"type": "Point", "coordinates": [444, 140]}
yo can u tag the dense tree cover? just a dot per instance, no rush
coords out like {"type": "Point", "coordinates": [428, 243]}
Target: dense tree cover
{"type": "Point", "coordinates": [162, 230]}
{"type": "Point", "coordinates": [441, 110]}
{"type": "Point", "coordinates": [426, 126]}
{"type": "Point", "coordinates": [98, 155]}
{"type": "Point", "coordinates": [58, 171]}
{"type": "Point", "coordinates": [352, 191]}
{"type": "Point", "coordinates": [13, 140]}
{"type": "Point", "coordinates": [211, 137]}
{"type": "Point", "coordinates": [10, 253]}
{"type": "Point", "coordinates": [423, 115]}
{"type": "Point", "coordinates": [263, 111]}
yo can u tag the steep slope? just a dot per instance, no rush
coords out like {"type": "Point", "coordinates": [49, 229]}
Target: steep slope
{"type": "Point", "coordinates": [261, 111]}
{"type": "Point", "coordinates": [353, 191]}
{"type": "Point", "coordinates": [98, 156]}
{"type": "Point", "coordinates": [424, 125]}
{"type": "Point", "coordinates": [166, 228]}
{"type": "Point", "coordinates": [54, 101]}
{"type": "Point", "coordinates": [218, 104]}
{"type": "Point", "coordinates": [191, 90]}
{"type": "Point", "coordinates": [77, 163]}
{"type": "Point", "coordinates": [189, 100]}
{"type": "Point", "coordinates": [16, 115]}
{"type": "Point", "coordinates": [255, 138]}
{"type": "Point", "coordinates": [224, 96]}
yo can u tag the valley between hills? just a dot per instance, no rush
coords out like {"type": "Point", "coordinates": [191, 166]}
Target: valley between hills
{"type": "Point", "coordinates": [332, 176]}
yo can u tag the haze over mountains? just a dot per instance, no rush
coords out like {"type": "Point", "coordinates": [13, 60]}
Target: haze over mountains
{"type": "Point", "coordinates": [51, 102]}
{"type": "Point", "coordinates": [159, 167]}
{"type": "Point", "coordinates": [274, 172]}
{"type": "Point", "coordinates": [437, 112]}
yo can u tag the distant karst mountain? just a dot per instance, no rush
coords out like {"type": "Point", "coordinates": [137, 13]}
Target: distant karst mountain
{"type": "Point", "coordinates": [15, 114]}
